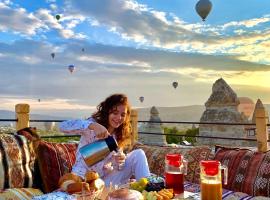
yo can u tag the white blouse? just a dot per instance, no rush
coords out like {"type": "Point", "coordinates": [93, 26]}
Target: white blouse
{"type": "Point", "coordinates": [80, 127]}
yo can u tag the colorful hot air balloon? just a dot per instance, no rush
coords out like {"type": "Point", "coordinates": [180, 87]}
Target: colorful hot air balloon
{"type": "Point", "coordinates": [71, 68]}
{"type": "Point", "coordinates": [57, 17]}
{"type": "Point", "coordinates": [52, 54]}
{"type": "Point", "coordinates": [141, 99]}
{"type": "Point", "coordinates": [175, 84]}
{"type": "Point", "coordinates": [203, 8]}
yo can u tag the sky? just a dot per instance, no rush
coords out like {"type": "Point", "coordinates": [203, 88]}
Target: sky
{"type": "Point", "coordinates": [134, 47]}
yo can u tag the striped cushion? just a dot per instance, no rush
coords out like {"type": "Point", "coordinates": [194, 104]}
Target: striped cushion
{"type": "Point", "coordinates": [55, 159]}
{"type": "Point", "coordinates": [248, 171]}
{"type": "Point", "coordinates": [19, 194]}
{"type": "Point", "coordinates": [16, 162]}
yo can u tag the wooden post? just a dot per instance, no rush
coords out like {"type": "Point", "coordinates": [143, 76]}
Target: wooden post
{"type": "Point", "coordinates": [22, 115]}
{"type": "Point", "coordinates": [261, 126]}
{"type": "Point", "coordinates": [134, 126]}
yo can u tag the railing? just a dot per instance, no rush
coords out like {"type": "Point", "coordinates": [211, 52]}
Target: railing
{"type": "Point", "coordinates": [22, 120]}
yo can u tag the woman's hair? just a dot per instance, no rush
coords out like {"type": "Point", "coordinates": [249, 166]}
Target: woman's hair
{"type": "Point", "coordinates": [108, 106]}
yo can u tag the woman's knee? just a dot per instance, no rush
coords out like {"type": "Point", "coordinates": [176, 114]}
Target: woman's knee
{"type": "Point", "coordinates": [139, 153]}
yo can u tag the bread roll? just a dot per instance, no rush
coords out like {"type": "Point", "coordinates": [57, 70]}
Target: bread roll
{"type": "Point", "coordinates": [78, 187]}
{"type": "Point", "coordinates": [69, 177]}
{"type": "Point", "coordinates": [90, 176]}
{"type": "Point", "coordinates": [97, 184]}
{"type": "Point", "coordinates": [65, 184]}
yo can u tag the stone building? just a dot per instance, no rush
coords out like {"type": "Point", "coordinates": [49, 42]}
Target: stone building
{"type": "Point", "coordinates": [222, 107]}
{"type": "Point", "coordinates": [152, 128]}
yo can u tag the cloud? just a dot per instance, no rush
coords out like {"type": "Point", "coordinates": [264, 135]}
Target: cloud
{"type": "Point", "coordinates": [33, 72]}
{"type": "Point", "coordinates": [247, 23]}
{"type": "Point", "coordinates": [146, 26]}
{"type": "Point", "coordinates": [20, 21]}
{"type": "Point", "coordinates": [17, 20]}
{"type": "Point", "coordinates": [136, 21]}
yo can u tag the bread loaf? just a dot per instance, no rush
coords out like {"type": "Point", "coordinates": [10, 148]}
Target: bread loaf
{"type": "Point", "coordinates": [69, 177]}
{"type": "Point", "coordinates": [78, 187]}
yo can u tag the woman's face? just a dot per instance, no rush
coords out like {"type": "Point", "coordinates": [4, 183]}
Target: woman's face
{"type": "Point", "coordinates": [117, 117]}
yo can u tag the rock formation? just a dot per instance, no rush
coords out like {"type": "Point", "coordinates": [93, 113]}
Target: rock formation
{"type": "Point", "coordinates": [221, 107]}
{"type": "Point", "coordinates": [152, 128]}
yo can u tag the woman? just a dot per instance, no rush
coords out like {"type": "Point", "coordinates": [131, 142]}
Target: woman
{"type": "Point", "coordinates": [111, 118]}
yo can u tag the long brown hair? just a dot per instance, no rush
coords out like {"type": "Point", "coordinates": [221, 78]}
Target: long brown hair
{"type": "Point", "coordinates": [106, 107]}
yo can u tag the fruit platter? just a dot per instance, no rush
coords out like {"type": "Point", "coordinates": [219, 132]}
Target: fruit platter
{"type": "Point", "coordinates": [152, 188]}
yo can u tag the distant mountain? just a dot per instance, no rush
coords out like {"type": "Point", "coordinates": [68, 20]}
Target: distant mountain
{"type": "Point", "coordinates": [191, 113]}
{"type": "Point", "coordinates": [183, 113]}
{"type": "Point", "coordinates": [5, 114]}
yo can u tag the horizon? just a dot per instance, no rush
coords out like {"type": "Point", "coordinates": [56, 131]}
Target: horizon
{"type": "Point", "coordinates": [139, 48]}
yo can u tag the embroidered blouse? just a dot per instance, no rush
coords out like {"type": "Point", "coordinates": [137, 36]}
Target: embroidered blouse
{"type": "Point", "coordinates": [80, 127]}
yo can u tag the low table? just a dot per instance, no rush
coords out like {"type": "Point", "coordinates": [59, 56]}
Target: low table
{"type": "Point", "coordinates": [185, 196]}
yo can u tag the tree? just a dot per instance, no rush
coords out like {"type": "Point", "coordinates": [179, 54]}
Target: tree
{"type": "Point", "coordinates": [172, 137]}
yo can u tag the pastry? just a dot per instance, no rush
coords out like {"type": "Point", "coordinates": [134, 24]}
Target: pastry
{"type": "Point", "coordinates": [90, 176]}
{"type": "Point", "coordinates": [78, 187]}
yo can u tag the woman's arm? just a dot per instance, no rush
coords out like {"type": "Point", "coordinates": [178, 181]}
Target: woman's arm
{"type": "Point", "coordinates": [81, 127]}
{"type": "Point", "coordinates": [77, 126]}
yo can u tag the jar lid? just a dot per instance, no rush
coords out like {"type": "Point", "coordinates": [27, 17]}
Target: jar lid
{"type": "Point", "coordinates": [174, 159]}
{"type": "Point", "coordinates": [211, 167]}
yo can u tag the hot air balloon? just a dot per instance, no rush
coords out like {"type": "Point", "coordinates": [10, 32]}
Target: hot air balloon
{"type": "Point", "coordinates": [39, 100]}
{"type": "Point", "coordinates": [57, 17]}
{"type": "Point", "coordinates": [203, 8]}
{"type": "Point", "coordinates": [141, 99]}
{"type": "Point", "coordinates": [175, 84]}
{"type": "Point", "coordinates": [82, 49]}
{"type": "Point", "coordinates": [71, 68]}
{"type": "Point", "coordinates": [52, 54]}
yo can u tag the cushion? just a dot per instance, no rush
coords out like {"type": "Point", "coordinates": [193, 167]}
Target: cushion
{"type": "Point", "coordinates": [156, 158]}
{"type": "Point", "coordinates": [248, 171]}
{"type": "Point", "coordinates": [16, 162]}
{"type": "Point", "coordinates": [19, 193]}
{"type": "Point", "coordinates": [55, 159]}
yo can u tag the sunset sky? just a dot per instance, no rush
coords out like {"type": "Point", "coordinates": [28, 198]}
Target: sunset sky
{"type": "Point", "coordinates": [134, 47]}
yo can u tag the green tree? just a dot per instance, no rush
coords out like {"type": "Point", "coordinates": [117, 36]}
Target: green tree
{"type": "Point", "coordinates": [172, 137]}
{"type": "Point", "coordinates": [192, 132]}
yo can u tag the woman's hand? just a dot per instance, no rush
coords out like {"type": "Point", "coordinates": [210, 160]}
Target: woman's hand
{"type": "Point", "coordinates": [119, 159]}
{"type": "Point", "coordinates": [100, 131]}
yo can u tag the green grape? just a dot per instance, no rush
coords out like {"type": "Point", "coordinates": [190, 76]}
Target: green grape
{"type": "Point", "coordinates": [134, 185]}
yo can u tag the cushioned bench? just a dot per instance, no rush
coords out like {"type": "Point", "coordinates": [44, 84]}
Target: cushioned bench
{"type": "Point", "coordinates": [30, 166]}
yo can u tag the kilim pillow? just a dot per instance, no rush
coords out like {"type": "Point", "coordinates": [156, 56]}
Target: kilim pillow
{"type": "Point", "coordinates": [19, 194]}
{"type": "Point", "coordinates": [248, 171]}
{"type": "Point", "coordinates": [55, 159]}
{"type": "Point", "coordinates": [16, 162]}
{"type": "Point", "coordinates": [156, 158]}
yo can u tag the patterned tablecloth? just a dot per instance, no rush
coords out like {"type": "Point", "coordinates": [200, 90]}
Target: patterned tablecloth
{"type": "Point", "coordinates": [192, 192]}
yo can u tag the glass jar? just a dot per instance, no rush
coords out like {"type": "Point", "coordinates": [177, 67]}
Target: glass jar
{"type": "Point", "coordinates": [211, 182]}
{"type": "Point", "coordinates": [175, 169]}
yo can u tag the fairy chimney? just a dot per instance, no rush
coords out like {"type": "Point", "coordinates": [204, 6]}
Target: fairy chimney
{"type": "Point", "coordinates": [222, 107]}
{"type": "Point", "coordinates": [152, 128]}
